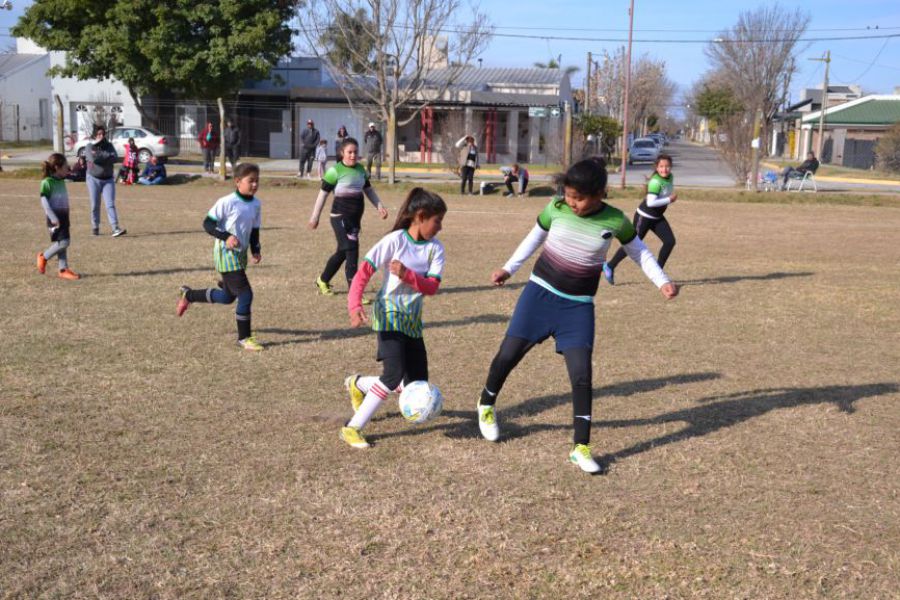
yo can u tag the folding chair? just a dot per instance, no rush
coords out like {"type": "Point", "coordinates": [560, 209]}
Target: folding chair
{"type": "Point", "coordinates": [809, 176]}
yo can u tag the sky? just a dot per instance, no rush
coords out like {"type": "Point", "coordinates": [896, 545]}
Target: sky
{"type": "Point", "coordinates": [872, 63]}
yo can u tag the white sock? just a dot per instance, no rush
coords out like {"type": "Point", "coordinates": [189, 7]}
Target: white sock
{"type": "Point", "coordinates": [365, 383]}
{"type": "Point", "coordinates": [371, 402]}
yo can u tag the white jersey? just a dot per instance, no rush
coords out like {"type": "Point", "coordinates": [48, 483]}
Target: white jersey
{"type": "Point", "coordinates": [398, 306]}
{"type": "Point", "coordinates": [238, 216]}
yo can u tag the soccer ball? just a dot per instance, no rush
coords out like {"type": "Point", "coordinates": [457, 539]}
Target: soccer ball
{"type": "Point", "coordinates": [420, 401]}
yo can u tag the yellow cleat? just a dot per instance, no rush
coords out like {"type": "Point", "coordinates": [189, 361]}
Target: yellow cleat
{"type": "Point", "coordinates": [356, 395]}
{"type": "Point", "coordinates": [353, 437]}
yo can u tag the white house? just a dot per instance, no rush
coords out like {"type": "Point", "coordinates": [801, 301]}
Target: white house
{"type": "Point", "coordinates": [25, 95]}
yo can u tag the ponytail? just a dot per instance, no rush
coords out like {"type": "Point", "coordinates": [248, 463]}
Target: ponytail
{"type": "Point", "coordinates": [52, 164]}
{"type": "Point", "coordinates": [419, 200]}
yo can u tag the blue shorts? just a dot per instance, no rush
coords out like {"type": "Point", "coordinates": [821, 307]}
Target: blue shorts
{"type": "Point", "coordinates": [540, 313]}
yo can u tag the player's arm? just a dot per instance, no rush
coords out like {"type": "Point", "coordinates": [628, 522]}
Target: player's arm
{"type": "Point", "coordinates": [211, 226]}
{"type": "Point", "coordinates": [48, 210]}
{"type": "Point", "coordinates": [329, 182]}
{"type": "Point", "coordinates": [639, 253]}
{"type": "Point", "coordinates": [255, 248]}
{"type": "Point", "coordinates": [526, 248]}
{"type": "Point", "coordinates": [357, 287]}
{"type": "Point", "coordinates": [370, 193]}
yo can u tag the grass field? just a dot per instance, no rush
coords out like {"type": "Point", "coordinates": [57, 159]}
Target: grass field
{"type": "Point", "coordinates": [751, 427]}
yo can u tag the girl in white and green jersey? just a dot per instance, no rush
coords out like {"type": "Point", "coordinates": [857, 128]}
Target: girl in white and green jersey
{"type": "Point", "coordinates": [349, 182]}
{"type": "Point", "coordinates": [55, 202]}
{"type": "Point", "coordinates": [558, 300]}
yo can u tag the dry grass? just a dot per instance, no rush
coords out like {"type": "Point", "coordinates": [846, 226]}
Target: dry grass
{"type": "Point", "coordinates": [750, 427]}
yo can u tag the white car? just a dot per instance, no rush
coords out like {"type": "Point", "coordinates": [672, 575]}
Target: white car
{"type": "Point", "coordinates": [149, 142]}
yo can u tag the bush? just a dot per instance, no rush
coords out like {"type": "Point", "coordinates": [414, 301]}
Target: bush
{"type": "Point", "coordinates": [887, 151]}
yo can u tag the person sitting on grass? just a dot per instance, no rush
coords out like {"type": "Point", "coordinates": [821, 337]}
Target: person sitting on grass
{"type": "Point", "coordinates": [78, 171]}
{"type": "Point", "coordinates": [810, 165]}
{"type": "Point", "coordinates": [154, 173]}
{"type": "Point", "coordinates": [512, 174]}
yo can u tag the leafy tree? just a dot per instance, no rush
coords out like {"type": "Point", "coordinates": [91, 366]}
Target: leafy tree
{"type": "Point", "coordinates": [347, 41]}
{"type": "Point", "coordinates": [716, 103]}
{"type": "Point", "coordinates": [196, 48]}
{"type": "Point", "coordinates": [554, 64]}
{"type": "Point", "coordinates": [606, 129]}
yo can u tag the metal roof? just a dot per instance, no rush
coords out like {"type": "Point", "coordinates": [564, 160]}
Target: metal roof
{"type": "Point", "coordinates": [869, 110]}
{"type": "Point", "coordinates": [483, 79]}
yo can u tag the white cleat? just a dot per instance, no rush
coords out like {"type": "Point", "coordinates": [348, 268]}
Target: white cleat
{"type": "Point", "coordinates": [581, 456]}
{"type": "Point", "coordinates": [487, 423]}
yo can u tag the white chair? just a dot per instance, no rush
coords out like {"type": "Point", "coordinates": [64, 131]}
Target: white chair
{"type": "Point", "coordinates": [808, 176]}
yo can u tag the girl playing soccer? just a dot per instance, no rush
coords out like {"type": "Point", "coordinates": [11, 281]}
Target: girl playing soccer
{"type": "Point", "coordinates": [558, 299]}
{"type": "Point", "coordinates": [413, 260]}
{"type": "Point", "coordinates": [55, 201]}
{"type": "Point", "coordinates": [234, 220]}
{"type": "Point", "coordinates": [348, 179]}
{"type": "Point", "coordinates": [659, 193]}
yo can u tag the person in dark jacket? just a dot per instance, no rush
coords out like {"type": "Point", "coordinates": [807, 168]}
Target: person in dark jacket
{"type": "Point", "coordinates": [101, 158]}
{"type": "Point", "coordinates": [807, 166]}
{"type": "Point", "coordinates": [309, 141]}
{"type": "Point", "coordinates": [372, 144]}
{"type": "Point", "coordinates": [154, 173]}
{"type": "Point", "coordinates": [231, 137]}
{"type": "Point", "coordinates": [338, 140]}
{"type": "Point", "coordinates": [209, 143]}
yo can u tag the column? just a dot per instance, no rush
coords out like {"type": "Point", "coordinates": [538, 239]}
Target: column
{"type": "Point", "coordinates": [512, 135]}
{"type": "Point", "coordinates": [534, 134]}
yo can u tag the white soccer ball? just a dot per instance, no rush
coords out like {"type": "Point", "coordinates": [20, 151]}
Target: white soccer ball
{"type": "Point", "coordinates": [420, 401]}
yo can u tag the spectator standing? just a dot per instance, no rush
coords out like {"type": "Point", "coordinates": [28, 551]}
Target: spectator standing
{"type": "Point", "coordinates": [468, 162]}
{"type": "Point", "coordinates": [101, 159]}
{"type": "Point", "coordinates": [309, 141]}
{"type": "Point", "coordinates": [373, 143]}
{"type": "Point", "coordinates": [338, 140]}
{"type": "Point", "coordinates": [231, 137]}
{"type": "Point", "coordinates": [209, 143]}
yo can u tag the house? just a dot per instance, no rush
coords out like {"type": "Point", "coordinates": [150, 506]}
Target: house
{"type": "Point", "coordinates": [785, 140]}
{"type": "Point", "coordinates": [851, 130]}
{"type": "Point", "coordinates": [25, 95]}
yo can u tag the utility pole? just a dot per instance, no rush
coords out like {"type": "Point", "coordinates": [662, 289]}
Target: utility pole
{"type": "Point", "coordinates": [587, 86]}
{"type": "Point", "coordinates": [756, 144]}
{"type": "Point", "coordinates": [624, 152]}
{"type": "Point", "coordinates": [820, 143]}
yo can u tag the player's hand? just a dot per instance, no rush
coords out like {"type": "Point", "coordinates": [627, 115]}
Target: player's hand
{"type": "Point", "coordinates": [499, 277]}
{"type": "Point", "coordinates": [54, 225]}
{"type": "Point", "coordinates": [232, 242]}
{"type": "Point", "coordinates": [669, 290]}
{"type": "Point", "coordinates": [358, 317]}
{"type": "Point", "coordinates": [382, 212]}
{"type": "Point", "coordinates": [398, 268]}
{"type": "Point", "coordinates": [257, 258]}
{"type": "Point", "coordinates": [673, 198]}
{"type": "Point", "coordinates": [312, 224]}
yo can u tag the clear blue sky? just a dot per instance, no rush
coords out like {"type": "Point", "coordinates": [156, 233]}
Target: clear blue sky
{"type": "Point", "coordinates": [874, 63]}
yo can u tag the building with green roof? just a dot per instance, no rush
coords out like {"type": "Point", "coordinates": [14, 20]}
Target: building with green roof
{"type": "Point", "coordinates": [851, 130]}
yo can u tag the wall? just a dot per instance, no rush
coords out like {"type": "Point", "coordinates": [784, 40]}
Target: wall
{"type": "Point", "coordinates": [26, 91]}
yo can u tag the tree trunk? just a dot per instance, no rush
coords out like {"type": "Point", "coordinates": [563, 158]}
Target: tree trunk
{"type": "Point", "coordinates": [391, 145]}
{"type": "Point", "coordinates": [152, 120]}
{"type": "Point", "coordinates": [222, 172]}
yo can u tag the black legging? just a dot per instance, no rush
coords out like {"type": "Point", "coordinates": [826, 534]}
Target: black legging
{"type": "Point", "coordinates": [658, 226]}
{"type": "Point", "coordinates": [578, 363]}
{"type": "Point", "coordinates": [467, 174]}
{"type": "Point", "coordinates": [346, 230]}
{"type": "Point", "coordinates": [306, 160]}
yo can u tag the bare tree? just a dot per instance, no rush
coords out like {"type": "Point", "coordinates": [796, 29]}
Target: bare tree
{"type": "Point", "coordinates": [398, 54]}
{"type": "Point", "coordinates": [757, 57]}
{"type": "Point", "coordinates": [651, 92]}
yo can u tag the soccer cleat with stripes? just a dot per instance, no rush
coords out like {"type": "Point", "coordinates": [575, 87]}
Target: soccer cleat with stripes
{"type": "Point", "coordinates": [353, 437]}
{"type": "Point", "coordinates": [356, 395]}
{"type": "Point", "coordinates": [487, 423]}
{"type": "Point", "coordinates": [41, 263]}
{"type": "Point", "coordinates": [323, 287]}
{"type": "Point", "coordinates": [581, 456]}
{"type": "Point", "coordinates": [250, 343]}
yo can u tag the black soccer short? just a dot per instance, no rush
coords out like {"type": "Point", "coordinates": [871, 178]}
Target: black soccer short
{"type": "Point", "coordinates": [405, 358]}
{"type": "Point", "coordinates": [61, 232]}
{"type": "Point", "coordinates": [235, 282]}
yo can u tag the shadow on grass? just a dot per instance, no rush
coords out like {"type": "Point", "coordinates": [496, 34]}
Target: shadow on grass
{"type": "Point", "coordinates": [725, 279]}
{"type": "Point", "coordinates": [181, 179]}
{"type": "Point", "coordinates": [481, 288]}
{"type": "Point", "coordinates": [541, 191]}
{"type": "Point", "coordinates": [316, 335]}
{"type": "Point", "coordinates": [713, 414]}
{"type": "Point", "coordinates": [198, 231]}
{"type": "Point", "coordinates": [468, 428]}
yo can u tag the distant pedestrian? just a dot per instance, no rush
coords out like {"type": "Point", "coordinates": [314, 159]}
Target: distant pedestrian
{"type": "Point", "coordinates": [209, 143]}
{"type": "Point", "coordinates": [338, 140]}
{"type": "Point", "coordinates": [468, 162]}
{"type": "Point", "coordinates": [309, 141]}
{"type": "Point", "coordinates": [322, 157]}
{"type": "Point", "coordinates": [231, 137]}
{"type": "Point", "coordinates": [101, 159]}
{"type": "Point", "coordinates": [373, 144]}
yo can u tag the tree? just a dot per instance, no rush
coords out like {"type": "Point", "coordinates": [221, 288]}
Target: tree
{"type": "Point", "coordinates": [399, 53]}
{"type": "Point", "coordinates": [757, 58]}
{"type": "Point", "coordinates": [555, 64]}
{"type": "Point", "coordinates": [606, 129]}
{"type": "Point", "coordinates": [651, 91]}
{"type": "Point", "coordinates": [202, 49]}
{"type": "Point", "coordinates": [888, 150]}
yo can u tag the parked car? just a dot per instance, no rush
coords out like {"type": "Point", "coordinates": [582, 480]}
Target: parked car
{"type": "Point", "coordinates": [149, 142]}
{"type": "Point", "coordinates": [643, 149]}
{"type": "Point", "coordinates": [659, 138]}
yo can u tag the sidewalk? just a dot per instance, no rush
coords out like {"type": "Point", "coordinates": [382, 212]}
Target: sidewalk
{"type": "Point", "coordinates": [853, 181]}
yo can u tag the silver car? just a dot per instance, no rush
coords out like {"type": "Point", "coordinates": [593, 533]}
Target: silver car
{"type": "Point", "coordinates": [643, 149]}
{"type": "Point", "coordinates": [149, 142]}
